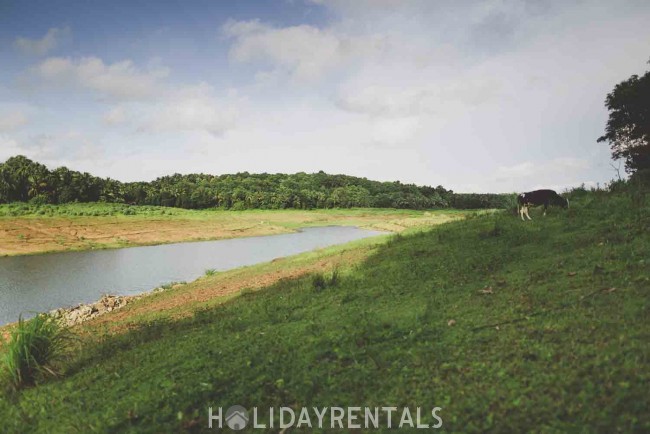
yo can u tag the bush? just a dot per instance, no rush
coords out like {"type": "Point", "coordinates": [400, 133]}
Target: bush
{"type": "Point", "coordinates": [33, 348]}
{"type": "Point", "coordinates": [319, 282]}
{"type": "Point", "coordinates": [335, 278]}
{"type": "Point", "coordinates": [39, 199]}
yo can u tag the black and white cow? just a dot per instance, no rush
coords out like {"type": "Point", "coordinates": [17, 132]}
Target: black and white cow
{"type": "Point", "coordinates": [537, 198]}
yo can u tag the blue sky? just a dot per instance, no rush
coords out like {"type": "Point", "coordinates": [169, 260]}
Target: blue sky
{"type": "Point", "coordinates": [499, 95]}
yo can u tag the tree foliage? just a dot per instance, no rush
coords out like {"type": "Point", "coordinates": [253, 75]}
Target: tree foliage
{"type": "Point", "coordinates": [628, 127]}
{"type": "Point", "coordinates": [22, 179]}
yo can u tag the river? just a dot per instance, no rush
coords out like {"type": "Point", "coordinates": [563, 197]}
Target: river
{"type": "Point", "coordinates": [40, 283]}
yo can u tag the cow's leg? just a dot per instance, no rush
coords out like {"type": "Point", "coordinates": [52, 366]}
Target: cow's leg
{"type": "Point", "coordinates": [527, 215]}
{"type": "Point", "coordinates": [545, 207]}
{"type": "Point", "coordinates": [520, 209]}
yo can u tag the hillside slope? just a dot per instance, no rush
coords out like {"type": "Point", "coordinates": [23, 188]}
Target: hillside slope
{"type": "Point", "coordinates": [508, 326]}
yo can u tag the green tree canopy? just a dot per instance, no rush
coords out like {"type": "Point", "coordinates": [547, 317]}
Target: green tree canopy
{"type": "Point", "coordinates": [22, 179]}
{"type": "Point", "coordinates": [628, 127]}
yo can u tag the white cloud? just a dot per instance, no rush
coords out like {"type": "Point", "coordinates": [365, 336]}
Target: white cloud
{"type": "Point", "coordinates": [305, 52]}
{"type": "Point", "coordinates": [121, 80]}
{"type": "Point", "coordinates": [12, 120]}
{"type": "Point", "coordinates": [69, 145]}
{"type": "Point", "coordinates": [191, 108]}
{"type": "Point", "coordinates": [8, 147]}
{"type": "Point", "coordinates": [72, 145]}
{"type": "Point", "coordinates": [395, 131]}
{"type": "Point", "coordinates": [520, 170]}
{"type": "Point", "coordinates": [47, 43]}
{"type": "Point", "coordinates": [146, 101]}
{"type": "Point", "coordinates": [115, 116]}
{"type": "Point", "coordinates": [387, 99]}
{"type": "Point", "coordinates": [565, 166]}
{"type": "Point", "coordinates": [557, 173]}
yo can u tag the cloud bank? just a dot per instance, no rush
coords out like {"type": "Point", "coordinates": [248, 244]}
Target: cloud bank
{"type": "Point", "coordinates": [500, 95]}
{"type": "Point", "coordinates": [44, 45]}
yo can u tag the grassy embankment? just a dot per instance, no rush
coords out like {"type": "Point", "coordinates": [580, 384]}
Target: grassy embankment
{"type": "Point", "coordinates": [28, 229]}
{"type": "Point", "coordinates": [550, 333]}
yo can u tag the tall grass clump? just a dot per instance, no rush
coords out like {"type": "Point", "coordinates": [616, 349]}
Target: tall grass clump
{"type": "Point", "coordinates": [33, 348]}
{"type": "Point", "coordinates": [320, 282]}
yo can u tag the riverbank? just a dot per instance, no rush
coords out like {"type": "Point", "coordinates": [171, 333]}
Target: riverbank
{"type": "Point", "coordinates": [177, 300]}
{"type": "Point", "coordinates": [30, 229]}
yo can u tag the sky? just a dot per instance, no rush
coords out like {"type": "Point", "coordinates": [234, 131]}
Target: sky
{"type": "Point", "coordinates": [489, 96]}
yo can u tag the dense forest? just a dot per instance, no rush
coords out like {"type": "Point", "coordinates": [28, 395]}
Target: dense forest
{"type": "Point", "coordinates": [24, 180]}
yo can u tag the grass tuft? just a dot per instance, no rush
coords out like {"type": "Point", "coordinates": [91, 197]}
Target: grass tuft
{"type": "Point", "coordinates": [33, 348]}
{"type": "Point", "coordinates": [321, 282]}
{"type": "Point", "coordinates": [318, 282]}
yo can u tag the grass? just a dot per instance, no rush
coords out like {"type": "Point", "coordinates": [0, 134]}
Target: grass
{"type": "Point", "coordinates": [103, 209]}
{"type": "Point", "coordinates": [23, 209]}
{"type": "Point", "coordinates": [508, 326]}
{"type": "Point", "coordinates": [210, 291]}
{"type": "Point", "coordinates": [320, 281]}
{"type": "Point", "coordinates": [33, 349]}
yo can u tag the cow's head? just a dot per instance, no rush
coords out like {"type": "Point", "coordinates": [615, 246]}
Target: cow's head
{"type": "Point", "coordinates": [558, 200]}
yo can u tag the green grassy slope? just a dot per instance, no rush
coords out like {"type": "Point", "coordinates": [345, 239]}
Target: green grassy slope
{"type": "Point", "coordinates": [559, 339]}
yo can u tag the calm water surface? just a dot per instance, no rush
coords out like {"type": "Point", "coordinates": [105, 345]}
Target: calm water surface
{"type": "Point", "coordinates": [44, 282]}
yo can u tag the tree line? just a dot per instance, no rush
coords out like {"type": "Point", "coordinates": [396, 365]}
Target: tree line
{"type": "Point", "coordinates": [24, 180]}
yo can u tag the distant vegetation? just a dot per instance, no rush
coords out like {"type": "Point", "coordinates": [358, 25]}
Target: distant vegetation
{"type": "Point", "coordinates": [23, 180]}
{"type": "Point", "coordinates": [90, 209]}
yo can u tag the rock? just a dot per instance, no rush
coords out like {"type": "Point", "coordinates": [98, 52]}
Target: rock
{"type": "Point", "coordinates": [72, 318]}
{"type": "Point", "coordinates": [85, 310]}
{"type": "Point", "coordinates": [110, 301]}
{"type": "Point", "coordinates": [57, 313]}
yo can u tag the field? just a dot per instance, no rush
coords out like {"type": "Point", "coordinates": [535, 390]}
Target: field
{"type": "Point", "coordinates": [29, 229]}
{"type": "Point", "coordinates": [508, 326]}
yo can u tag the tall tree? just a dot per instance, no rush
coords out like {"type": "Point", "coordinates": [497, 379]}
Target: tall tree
{"type": "Point", "coordinates": [628, 127]}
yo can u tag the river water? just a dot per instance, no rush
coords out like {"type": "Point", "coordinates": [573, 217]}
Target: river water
{"type": "Point", "coordinates": [40, 283]}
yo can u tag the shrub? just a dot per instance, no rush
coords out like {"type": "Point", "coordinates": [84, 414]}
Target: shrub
{"type": "Point", "coordinates": [318, 282]}
{"type": "Point", "coordinates": [334, 278]}
{"type": "Point", "coordinates": [33, 348]}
